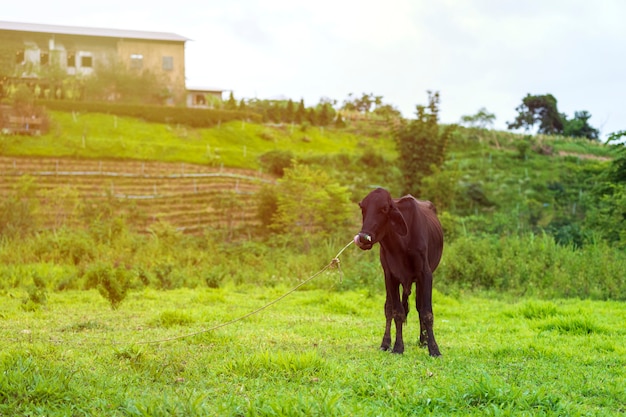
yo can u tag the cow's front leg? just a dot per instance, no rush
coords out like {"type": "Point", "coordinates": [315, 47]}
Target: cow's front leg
{"type": "Point", "coordinates": [386, 344]}
{"type": "Point", "coordinates": [399, 317]}
{"type": "Point", "coordinates": [398, 347]}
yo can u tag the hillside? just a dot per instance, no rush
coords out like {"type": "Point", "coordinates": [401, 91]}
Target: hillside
{"type": "Point", "coordinates": [194, 179]}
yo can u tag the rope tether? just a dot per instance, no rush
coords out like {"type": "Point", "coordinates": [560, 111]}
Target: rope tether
{"type": "Point", "coordinates": [333, 263]}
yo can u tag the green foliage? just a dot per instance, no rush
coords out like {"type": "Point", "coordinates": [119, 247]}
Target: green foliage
{"type": "Point", "coordinates": [276, 161]}
{"type": "Point", "coordinates": [608, 216]}
{"type": "Point", "coordinates": [18, 211]}
{"type": "Point", "coordinates": [113, 81]}
{"type": "Point", "coordinates": [37, 294]}
{"type": "Point", "coordinates": [481, 120]}
{"type": "Point", "coordinates": [310, 204]}
{"type": "Point", "coordinates": [231, 103]}
{"type": "Point", "coordinates": [421, 146]}
{"type": "Point", "coordinates": [617, 172]}
{"type": "Point", "coordinates": [542, 110]}
{"type": "Point", "coordinates": [534, 265]}
{"type": "Point", "coordinates": [172, 318]}
{"type": "Point", "coordinates": [157, 114]}
{"type": "Point", "coordinates": [579, 127]}
{"type": "Point", "coordinates": [111, 281]}
{"type": "Point", "coordinates": [538, 109]}
{"type": "Point", "coordinates": [442, 188]}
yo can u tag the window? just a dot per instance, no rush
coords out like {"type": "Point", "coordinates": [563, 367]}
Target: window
{"type": "Point", "coordinates": [86, 61]}
{"type": "Point", "coordinates": [44, 57]}
{"type": "Point", "coordinates": [136, 61]}
{"type": "Point", "coordinates": [168, 63]}
{"type": "Point", "coordinates": [71, 59]}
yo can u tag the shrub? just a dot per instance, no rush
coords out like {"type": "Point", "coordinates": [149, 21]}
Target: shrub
{"type": "Point", "coordinates": [310, 204]}
{"type": "Point", "coordinates": [18, 211]}
{"type": "Point", "coordinates": [534, 265]}
{"type": "Point", "coordinates": [112, 282]}
{"type": "Point", "coordinates": [275, 162]}
{"type": "Point", "coordinates": [37, 294]}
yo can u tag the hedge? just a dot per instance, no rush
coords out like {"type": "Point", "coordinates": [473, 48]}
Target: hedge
{"type": "Point", "coordinates": [159, 114]}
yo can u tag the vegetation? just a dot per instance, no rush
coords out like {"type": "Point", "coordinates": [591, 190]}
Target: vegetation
{"type": "Point", "coordinates": [421, 147]}
{"type": "Point", "coordinates": [542, 110]}
{"type": "Point", "coordinates": [529, 287]}
{"type": "Point", "coordinates": [314, 353]}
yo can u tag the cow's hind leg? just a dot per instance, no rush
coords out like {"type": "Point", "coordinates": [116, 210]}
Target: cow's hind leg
{"type": "Point", "coordinates": [425, 307]}
{"type": "Point", "coordinates": [423, 332]}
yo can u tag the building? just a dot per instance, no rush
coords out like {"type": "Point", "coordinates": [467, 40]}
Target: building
{"type": "Point", "coordinates": [26, 49]}
{"type": "Point", "coordinates": [204, 98]}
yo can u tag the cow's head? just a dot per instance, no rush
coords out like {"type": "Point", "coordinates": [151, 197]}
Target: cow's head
{"type": "Point", "coordinates": [380, 216]}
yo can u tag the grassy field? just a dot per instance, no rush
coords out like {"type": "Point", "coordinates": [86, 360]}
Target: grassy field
{"type": "Point", "coordinates": [66, 352]}
{"type": "Point", "coordinates": [313, 353]}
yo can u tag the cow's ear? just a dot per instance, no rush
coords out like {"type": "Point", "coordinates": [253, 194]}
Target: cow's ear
{"type": "Point", "coordinates": [397, 221]}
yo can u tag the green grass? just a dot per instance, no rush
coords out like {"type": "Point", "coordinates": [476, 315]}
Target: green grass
{"type": "Point", "coordinates": [314, 353]}
{"type": "Point", "coordinates": [233, 144]}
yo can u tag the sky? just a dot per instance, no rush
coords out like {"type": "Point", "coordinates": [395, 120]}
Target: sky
{"type": "Point", "coordinates": [475, 53]}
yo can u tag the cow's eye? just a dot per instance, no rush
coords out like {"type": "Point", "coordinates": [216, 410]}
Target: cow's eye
{"type": "Point", "coordinates": [384, 210]}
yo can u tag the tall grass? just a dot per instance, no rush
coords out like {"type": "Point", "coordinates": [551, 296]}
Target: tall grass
{"type": "Point", "coordinates": [534, 265]}
{"type": "Point", "coordinates": [530, 265]}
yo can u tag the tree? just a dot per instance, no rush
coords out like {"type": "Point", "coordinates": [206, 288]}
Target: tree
{"type": "Point", "coordinates": [231, 104]}
{"type": "Point", "coordinates": [539, 109]}
{"type": "Point", "coordinates": [325, 111]}
{"type": "Point", "coordinates": [300, 112]}
{"type": "Point", "coordinates": [311, 116]}
{"type": "Point", "coordinates": [421, 146]}
{"type": "Point", "coordinates": [363, 104]}
{"type": "Point", "coordinates": [579, 126]}
{"type": "Point", "coordinates": [114, 81]}
{"type": "Point", "coordinates": [290, 112]}
{"type": "Point", "coordinates": [617, 172]}
{"type": "Point", "coordinates": [481, 120]}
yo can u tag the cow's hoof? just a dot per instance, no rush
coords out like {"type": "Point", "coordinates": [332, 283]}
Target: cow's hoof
{"type": "Point", "coordinates": [384, 348]}
{"type": "Point", "coordinates": [435, 354]}
{"type": "Point", "coordinates": [398, 349]}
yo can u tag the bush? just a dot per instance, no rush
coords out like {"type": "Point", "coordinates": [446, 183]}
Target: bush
{"type": "Point", "coordinates": [310, 205]}
{"type": "Point", "coordinates": [18, 211]}
{"type": "Point", "coordinates": [275, 162]}
{"type": "Point", "coordinates": [534, 265]}
{"type": "Point", "coordinates": [37, 294]}
{"type": "Point", "coordinates": [112, 282]}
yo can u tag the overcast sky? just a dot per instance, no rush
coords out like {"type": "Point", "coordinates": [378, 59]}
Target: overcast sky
{"type": "Point", "coordinates": [476, 53]}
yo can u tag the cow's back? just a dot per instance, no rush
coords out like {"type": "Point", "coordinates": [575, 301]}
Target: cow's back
{"type": "Point", "coordinates": [421, 218]}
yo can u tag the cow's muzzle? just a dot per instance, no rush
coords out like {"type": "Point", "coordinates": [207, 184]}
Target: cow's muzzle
{"type": "Point", "coordinates": [364, 241]}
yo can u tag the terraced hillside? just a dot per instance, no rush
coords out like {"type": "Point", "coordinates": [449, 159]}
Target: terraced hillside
{"type": "Point", "coordinates": [187, 196]}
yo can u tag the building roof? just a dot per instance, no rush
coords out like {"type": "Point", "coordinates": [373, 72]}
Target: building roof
{"type": "Point", "coordinates": [85, 31]}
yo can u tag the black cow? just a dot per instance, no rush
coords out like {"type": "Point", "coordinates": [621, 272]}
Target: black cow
{"type": "Point", "coordinates": [411, 243]}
